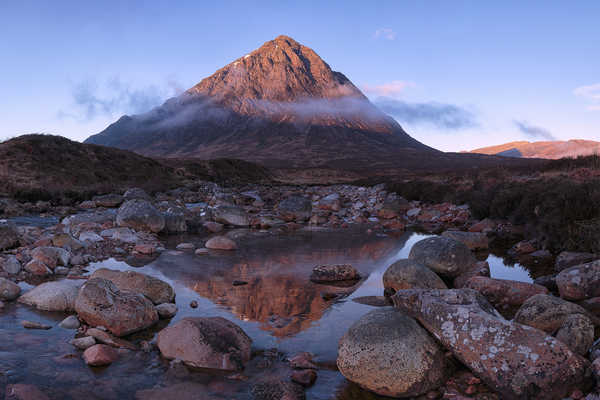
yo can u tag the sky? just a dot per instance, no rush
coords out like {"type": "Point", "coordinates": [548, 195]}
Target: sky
{"type": "Point", "coordinates": [457, 75]}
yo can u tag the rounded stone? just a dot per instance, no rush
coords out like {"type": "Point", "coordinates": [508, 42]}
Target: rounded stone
{"type": "Point", "coordinates": [390, 354]}
{"type": "Point", "coordinates": [409, 274]}
{"type": "Point", "coordinates": [444, 256]}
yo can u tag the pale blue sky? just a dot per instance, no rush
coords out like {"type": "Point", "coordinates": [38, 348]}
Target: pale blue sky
{"type": "Point", "coordinates": [511, 67]}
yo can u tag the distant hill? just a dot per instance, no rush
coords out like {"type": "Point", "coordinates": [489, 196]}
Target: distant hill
{"type": "Point", "coordinates": [546, 149]}
{"type": "Point", "coordinates": [53, 166]}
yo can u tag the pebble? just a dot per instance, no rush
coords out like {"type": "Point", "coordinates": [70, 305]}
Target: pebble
{"type": "Point", "coordinates": [194, 304]}
{"type": "Point", "coordinates": [34, 325]}
{"type": "Point", "coordinates": [71, 322]}
{"type": "Point", "coordinates": [83, 342]}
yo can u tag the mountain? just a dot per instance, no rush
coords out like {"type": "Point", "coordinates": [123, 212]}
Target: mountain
{"type": "Point", "coordinates": [280, 105]}
{"type": "Point", "coordinates": [546, 149]}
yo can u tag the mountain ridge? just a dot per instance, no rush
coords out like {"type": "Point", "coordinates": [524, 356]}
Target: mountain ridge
{"type": "Point", "coordinates": [550, 149]}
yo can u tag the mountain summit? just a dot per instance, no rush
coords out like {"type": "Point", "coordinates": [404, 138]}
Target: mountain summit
{"type": "Point", "coordinates": [280, 105]}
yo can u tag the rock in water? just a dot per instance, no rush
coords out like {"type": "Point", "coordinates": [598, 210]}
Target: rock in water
{"type": "Point", "coordinates": [580, 282]}
{"type": "Point", "coordinates": [53, 296]}
{"type": "Point", "coordinates": [213, 343]}
{"type": "Point", "coordinates": [295, 208]}
{"type": "Point", "coordinates": [220, 243]}
{"type": "Point", "coordinates": [389, 353]}
{"type": "Point", "coordinates": [156, 290]}
{"type": "Point", "coordinates": [568, 259]}
{"type": "Point", "coordinates": [409, 274]}
{"type": "Point", "coordinates": [8, 290]}
{"type": "Point", "coordinates": [101, 303]}
{"type": "Point", "coordinates": [444, 256]}
{"type": "Point", "coordinates": [140, 215]}
{"type": "Point", "coordinates": [334, 273]}
{"type": "Point", "coordinates": [231, 215]}
{"type": "Point", "coordinates": [518, 361]}
{"type": "Point", "coordinates": [473, 240]}
{"type": "Point", "coordinates": [99, 355]}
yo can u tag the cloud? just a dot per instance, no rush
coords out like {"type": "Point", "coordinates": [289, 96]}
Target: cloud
{"type": "Point", "coordinates": [385, 33]}
{"type": "Point", "coordinates": [591, 93]}
{"type": "Point", "coordinates": [91, 100]}
{"type": "Point", "coordinates": [534, 131]}
{"type": "Point", "coordinates": [389, 89]}
{"type": "Point", "coordinates": [441, 115]}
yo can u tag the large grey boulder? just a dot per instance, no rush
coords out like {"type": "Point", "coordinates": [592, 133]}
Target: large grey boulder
{"type": "Point", "coordinates": [175, 221]}
{"type": "Point", "coordinates": [230, 215]}
{"type": "Point", "coordinates": [446, 257]}
{"type": "Point", "coordinates": [101, 303]}
{"type": "Point", "coordinates": [410, 274]}
{"type": "Point", "coordinates": [213, 343]}
{"type": "Point", "coordinates": [473, 240]}
{"type": "Point", "coordinates": [295, 208]}
{"type": "Point", "coordinates": [516, 360]}
{"type": "Point", "coordinates": [9, 235]}
{"type": "Point", "coordinates": [389, 353]}
{"type": "Point", "coordinates": [140, 215]}
{"type": "Point", "coordinates": [580, 282]}
{"type": "Point", "coordinates": [53, 296]}
{"type": "Point", "coordinates": [577, 332]}
{"type": "Point", "coordinates": [8, 290]}
{"type": "Point", "coordinates": [154, 289]}
{"type": "Point", "coordinates": [547, 312]}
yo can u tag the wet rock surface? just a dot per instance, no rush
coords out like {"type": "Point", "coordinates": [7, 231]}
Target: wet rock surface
{"type": "Point", "coordinates": [53, 296]}
{"type": "Point", "coordinates": [154, 289]}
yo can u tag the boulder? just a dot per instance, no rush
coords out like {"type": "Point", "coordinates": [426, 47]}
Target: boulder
{"type": "Point", "coordinates": [99, 355]}
{"type": "Point", "coordinates": [577, 332]}
{"type": "Point", "coordinates": [393, 207]}
{"type": "Point", "coordinates": [516, 360]}
{"type": "Point", "coordinates": [10, 265]}
{"type": "Point", "coordinates": [9, 235]}
{"type": "Point", "coordinates": [473, 240]}
{"type": "Point", "coordinates": [175, 221]}
{"type": "Point", "coordinates": [409, 274]}
{"type": "Point", "coordinates": [484, 226]}
{"type": "Point", "coordinates": [8, 290]}
{"type": "Point", "coordinates": [166, 310]}
{"type": "Point", "coordinates": [156, 290]}
{"type": "Point", "coordinates": [140, 215]}
{"type": "Point", "coordinates": [220, 243]}
{"type": "Point", "coordinates": [213, 227]}
{"type": "Point", "coordinates": [505, 294]}
{"type": "Point", "coordinates": [580, 282]}
{"type": "Point", "coordinates": [568, 259]}
{"type": "Point", "coordinates": [53, 296]}
{"type": "Point", "coordinates": [213, 343]}
{"type": "Point", "coordinates": [71, 322]}
{"type": "Point", "coordinates": [331, 202]}
{"type": "Point", "coordinates": [51, 256]}
{"type": "Point", "coordinates": [389, 353]}
{"type": "Point", "coordinates": [446, 257]}
{"type": "Point", "coordinates": [334, 273]}
{"type": "Point", "coordinates": [38, 268]}
{"type": "Point", "coordinates": [108, 200]}
{"type": "Point", "coordinates": [295, 208]}
{"type": "Point", "coordinates": [101, 303]}
{"type": "Point", "coordinates": [231, 215]}
{"type": "Point", "coordinates": [83, 343]}
{"type": "Point", "coordinates": [90, 236]}
{"type": "Point", "coordinates": [136, 194]}
{"type": "Point", "coordinates": [481, 268]}
{"type": "Point", "coordinates": [547, 313]}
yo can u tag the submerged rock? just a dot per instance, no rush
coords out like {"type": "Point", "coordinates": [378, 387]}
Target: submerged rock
{"type": "Point", "coordinates": [156, 290]}
{"type": "Point", "coordinates": [409, 274]}
{"type": "Point", "coordinates": [53, 296]}
{"type": "Point", "coordinates": [334, 273]}
{"type": "Point", "coordinates": [446, 257]}
{"type": "Point", "coordinates": [101, 303]}
{"type": "Point", "coordinates": [516, 360]}
{"type": "Point", "coordinates": [213, 343]}
{"type": "Point", "coordinates": [389, 353]}
{"type": "Point", "coordinates": [220, 243]}
{"type": "Point", "coordinates": [140, 215]}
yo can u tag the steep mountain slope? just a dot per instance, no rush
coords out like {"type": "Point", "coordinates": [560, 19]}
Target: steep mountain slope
{"type": "Point", "coordinates": [280, 105]}
{"type": "Point", "coordinates": [546, 149]}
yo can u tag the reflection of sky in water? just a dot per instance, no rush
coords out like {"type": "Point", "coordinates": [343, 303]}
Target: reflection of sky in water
{"type": "Point", "coordinates": [501, 271]}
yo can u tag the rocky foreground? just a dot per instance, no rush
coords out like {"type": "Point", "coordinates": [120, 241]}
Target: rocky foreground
{"type": "Point", "coordinates": [453, 332]}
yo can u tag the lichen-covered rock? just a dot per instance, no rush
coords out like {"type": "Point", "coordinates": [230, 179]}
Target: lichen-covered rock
{"type": "Point", "coordinates": [231, 215]}
{"type": "Point", "coordinates": [51, 256]}
{"type": "Point", "coordinates": [577, 332]}
{"type": "Point", "coordinates": [481, 268]}
{"type": "Point", "coordinates": [579, 282]}
{"type": "Point", "coordinates": [213, 343]}
{"type": "Point", "coordinates": [473, 240]}
{"type": "Point", "coordinates": [389, 353]}
{"type": "Point", "coordinates": [568, 259]}
{"type": "Point", "coordinates": [156, 290]}
{"type": "Point", "coordinates": [547, 312]}
{"type": "Point", "coordinates": [53, 296]}
{"type": "Point", "coordinates": [446, 257]}
{"type": "Point", "coordinates": [140, 215]}
{"type": "Point", "coordinates": [409, 274]}
{"type": "Point", "coordinates": [101, 303]}
{"type": "Point", "coordinates": [516, 360]}
{"type": "Point", "coordinates": [295, 208]}
{"type": "Point", "coordinates": [334, 273]}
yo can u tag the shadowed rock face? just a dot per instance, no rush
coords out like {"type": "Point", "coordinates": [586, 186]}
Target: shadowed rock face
{"type": "Point", "coordinates": [279, 105]}
{"type": "Point", "coordinates": [518, 361]}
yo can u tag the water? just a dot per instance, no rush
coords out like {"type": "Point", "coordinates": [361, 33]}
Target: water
{"type": "Point", "coordinates": [279, 309]}
{"type": "Point", "coordinates": [35, 220]}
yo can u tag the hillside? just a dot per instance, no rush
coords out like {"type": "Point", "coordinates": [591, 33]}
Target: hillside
{"type": "Point", "coordinates": [546, 149]}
